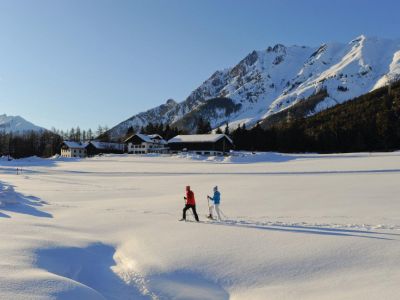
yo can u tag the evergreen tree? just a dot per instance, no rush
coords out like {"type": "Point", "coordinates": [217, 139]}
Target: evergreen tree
{"type": "Point", "coordinates": [72, 134]}
{"type": "Point", "coordinates": [78, 135]}
{"type": "Point", "coordinates": [226, 131]}
{"type": "Point", "coordinates": [200, 126]}
{"type": "Point", "coordinates": [130, 131]}
{"type": "Point", "coordinates": [218, 131]}
{"type": "Point", "coordinates": [89, 134]}
{"type": "Point", "coordinates": [99, 131]}
{"type": "Point", "coordinates": [203, 126]}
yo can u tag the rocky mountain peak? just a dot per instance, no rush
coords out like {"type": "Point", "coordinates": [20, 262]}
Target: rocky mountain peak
{"type": "Point", "coordinates": [16, 124]}
{"type": "Point", "coordinates": [267, 82]}
{"type": "Point", "coordinates": [171, 102]}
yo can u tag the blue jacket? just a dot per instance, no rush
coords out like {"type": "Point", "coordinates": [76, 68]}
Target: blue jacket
{"type": "Point", "coordinates": [217, 197]}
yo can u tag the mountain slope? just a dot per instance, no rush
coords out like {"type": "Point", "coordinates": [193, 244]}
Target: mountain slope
{"type": "Point", "coordinates": [370, 122]}
{"type": "Point", "coordinates": [17, 124]}
{"type": "Point", "coordinates": [269, 81]}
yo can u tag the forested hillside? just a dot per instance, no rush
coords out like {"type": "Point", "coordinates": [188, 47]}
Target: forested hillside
{"type": "Point", "coordinates": [367, 123]}
{"type": "Point", "coordinates": [43, 144]}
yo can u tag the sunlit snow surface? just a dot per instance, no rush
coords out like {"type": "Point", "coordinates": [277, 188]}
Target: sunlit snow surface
{"type": "Point", "coordinates": [296, 227]}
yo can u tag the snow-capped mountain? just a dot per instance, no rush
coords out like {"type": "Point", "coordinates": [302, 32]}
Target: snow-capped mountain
{"type": "Point", "coordinates": [269, 81]}
{"type": "Point", "coordinates": [17, 124]}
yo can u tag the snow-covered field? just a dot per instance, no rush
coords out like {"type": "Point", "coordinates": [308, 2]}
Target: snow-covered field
{"type": "Point", "coordinates": [297, 227]}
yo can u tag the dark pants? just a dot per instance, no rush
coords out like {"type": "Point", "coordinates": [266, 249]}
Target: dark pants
{"type": "Point", "coordinates": [193, 207]}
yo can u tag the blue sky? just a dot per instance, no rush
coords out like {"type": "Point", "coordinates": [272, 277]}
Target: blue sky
{"type": "Point", "coordinates": [90, 62]}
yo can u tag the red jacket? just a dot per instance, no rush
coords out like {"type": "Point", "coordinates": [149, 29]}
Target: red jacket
{"type": "Point", "coordinates": [190, 198]}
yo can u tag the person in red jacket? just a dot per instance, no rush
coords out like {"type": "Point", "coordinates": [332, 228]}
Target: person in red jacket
{"type": "Point", "coordinates": [190, 203]}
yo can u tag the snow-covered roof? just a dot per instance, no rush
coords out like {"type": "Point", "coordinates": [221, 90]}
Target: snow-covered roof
{"type": "Point", "coordinates": [198, 138]}
{"type": "Point", "coordinates": [104, 145]}
{"type": "Point", "coordinates": [155, 136]}
{"type": "Point", "coordinates": [158, 138]}
{"type": "Point", "coordinates": [128, 138]}
{"type": "Point", "coordinates": [152, 138]}
{"type": "Point", "coordinates": [76, 145]}
{"type": "Point", "coordinates": [144, 137]}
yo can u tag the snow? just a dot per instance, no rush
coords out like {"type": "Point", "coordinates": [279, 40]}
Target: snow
{"type": "Point", "coordinates": [145, 138]}
{"type": "Point", "coordinates": [17, 124]}
{"type": "Point", "coordinates": [76, 145]}
{"type": "Point", "coordinates": [269, 81]}
{"type": "Point", "coordinates": [394, 72]}
{"type": "Point", "coordinates": [297, 226]}
{"type": "Point", "coordinates": [198, 138]}
{"type": "Point", "coordinates": [357, 66]}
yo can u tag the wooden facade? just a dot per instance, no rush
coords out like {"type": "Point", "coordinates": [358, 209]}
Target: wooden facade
{"type": "Point", "coordinates": [144, 144]}
{"type": "Point", "coordinates": [218, 146]}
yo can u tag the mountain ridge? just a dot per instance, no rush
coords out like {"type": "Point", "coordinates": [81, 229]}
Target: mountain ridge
{"type": "Point", "coordinates": [17, 125]}
{"type": "Point", "coordinates": [268, 81]}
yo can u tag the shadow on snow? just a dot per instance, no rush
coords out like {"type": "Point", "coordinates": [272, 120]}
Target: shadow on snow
{"type": "Point", "coordinates": [19, 203]}
{"type": "Point", "coordinates": [306, 229]}
{"type": "Point", "coordinates": [89, 271]}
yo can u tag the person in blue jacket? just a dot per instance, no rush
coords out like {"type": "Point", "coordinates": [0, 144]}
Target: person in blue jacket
{"type": "Point", "coordinates": [216, 200]}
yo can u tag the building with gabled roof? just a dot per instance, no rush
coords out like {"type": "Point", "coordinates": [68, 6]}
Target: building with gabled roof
{"type": "Point", "coordinates": [139, 143]}
{"type": "Point", "coordinates": [73, 149]}
{"type": "Point", "coordinates": [203, 144]}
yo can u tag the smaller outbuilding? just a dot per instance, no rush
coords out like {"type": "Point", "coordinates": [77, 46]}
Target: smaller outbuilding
{"type": "Point", "coordinates": [142, 144]}
{"type": "Point", "coordinates": [203, 144]}
{"type": "Point", "coordinates": [84, 149]}
{"type": "Point", "coordinates": [73, 149]}
{"type": "Point", "coordinates": [96, 148]}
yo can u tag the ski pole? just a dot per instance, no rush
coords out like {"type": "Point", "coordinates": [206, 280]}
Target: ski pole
{"type": "Point", "coordinates": [208, 203]}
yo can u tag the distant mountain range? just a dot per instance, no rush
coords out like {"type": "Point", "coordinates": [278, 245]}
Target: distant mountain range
{"type": "Point", "coordinates": [267, 82]}
{"type": "Point", "coordinates": [17, 125]}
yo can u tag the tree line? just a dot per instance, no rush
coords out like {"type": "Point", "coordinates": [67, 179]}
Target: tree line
{"type": "Point", "coordinates": [81, 135]}
{"type": "Point", "coordinates": [164, 130]}
{"type": "Point", "coordinates": [167, 131]}
{"type": "Point", "coordinates": [43, 144]}
{"type": "Point", "coordinates": [367, 123]}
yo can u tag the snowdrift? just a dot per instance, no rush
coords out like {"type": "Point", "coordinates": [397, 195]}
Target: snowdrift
{"type": "Point", "coordinates": [302, 226]}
